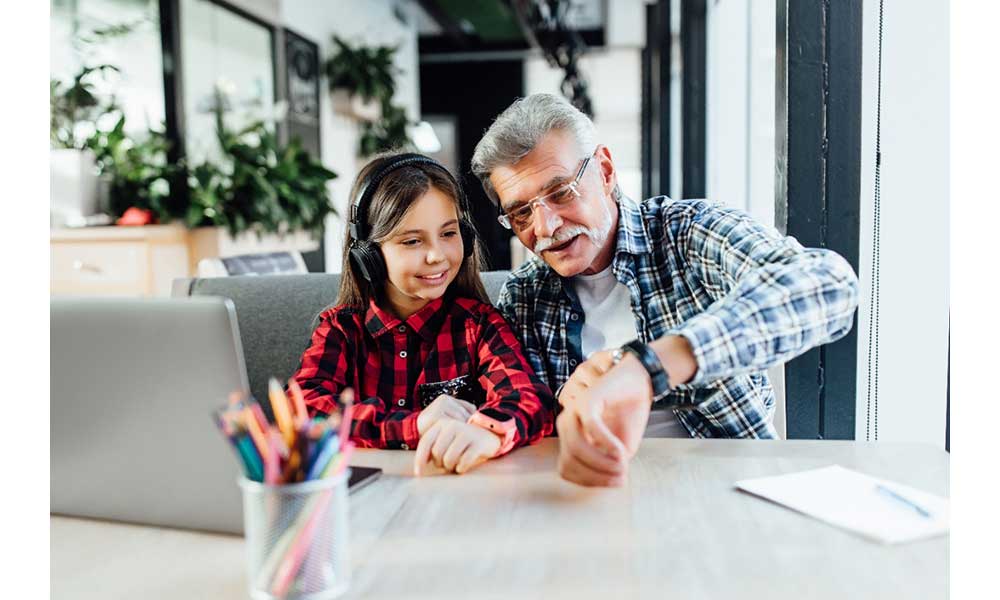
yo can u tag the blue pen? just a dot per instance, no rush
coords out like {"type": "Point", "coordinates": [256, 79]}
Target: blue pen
{"type": "Point", "coordinates": [326, 453]}
{"type": "Point", "coordinates": [903, 501]}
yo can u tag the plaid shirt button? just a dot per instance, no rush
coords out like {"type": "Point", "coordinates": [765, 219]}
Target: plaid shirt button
{"type": "Point", "coordinates": [573, 316]}
{"type": "Point", "coordinates": [402, 328]}
{"type": "Point", "coordinates": [401, 402]}
{"type": "Point", "coordinates": [402, 354]}
{"type": "Point", "coordinates": [403, 446]}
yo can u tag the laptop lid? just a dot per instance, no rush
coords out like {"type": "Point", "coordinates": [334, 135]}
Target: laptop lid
{"type": "Point", "coordinates": [133, 386]}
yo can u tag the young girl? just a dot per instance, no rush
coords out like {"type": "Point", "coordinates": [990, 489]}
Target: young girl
{"type": "Point", "coordinates": [435, 366]}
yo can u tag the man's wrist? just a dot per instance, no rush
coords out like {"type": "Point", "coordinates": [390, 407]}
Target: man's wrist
{"type": "Point", "coordinates": [632, 363]}
{"type": "Point", "coordinates": [653, 366]}
{"type": "Point", "coordinates": [677, 357]}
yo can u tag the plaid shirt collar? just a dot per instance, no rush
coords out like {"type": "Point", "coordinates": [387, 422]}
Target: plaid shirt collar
{"type": "Point", "coordinates": [631, 237]}
{"type": "Point", "coordinates": [426, 321]}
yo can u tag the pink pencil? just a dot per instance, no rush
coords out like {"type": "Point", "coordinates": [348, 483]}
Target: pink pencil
{"type": "Point", "coordinates": [301, 413]}
{"type": "Point", "coordinates": [337, 466]}
{"type": "Point", "coordinates": [296, 554]}
{"type": "Point", "coordinates": [347, 398]}
{"type": "Point", "coordinates": [289, 567]}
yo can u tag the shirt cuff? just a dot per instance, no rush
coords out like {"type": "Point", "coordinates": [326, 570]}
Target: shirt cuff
{"type": "Point", "coordinates": [411, 435]}
{"type": "Point", "coordinates": [710, 342]}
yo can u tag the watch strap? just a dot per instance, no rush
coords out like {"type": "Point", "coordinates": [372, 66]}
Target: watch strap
{"type": "Point", "coordinates": [651, 362]}
{"type": "Point", "coordinates": [505, 433]}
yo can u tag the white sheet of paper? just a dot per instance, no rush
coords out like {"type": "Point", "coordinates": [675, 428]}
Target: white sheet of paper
{"type": "Point", "coordinates": [850, 499]}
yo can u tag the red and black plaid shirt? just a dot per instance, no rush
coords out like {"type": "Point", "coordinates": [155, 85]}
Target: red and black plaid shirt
{"type": "Point", "coordinates": [458, 346]}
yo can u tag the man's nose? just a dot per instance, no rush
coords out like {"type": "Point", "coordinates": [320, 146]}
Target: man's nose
{"type": "Point", "coordinates": [546, 221]}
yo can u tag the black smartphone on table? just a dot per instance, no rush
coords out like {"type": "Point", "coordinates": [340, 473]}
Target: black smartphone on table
{"type": "Point", "coordinates": [362, 476]}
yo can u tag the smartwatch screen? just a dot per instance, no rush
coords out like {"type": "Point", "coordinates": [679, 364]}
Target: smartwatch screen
{"type": "Point", "coordinates": [495, 414]}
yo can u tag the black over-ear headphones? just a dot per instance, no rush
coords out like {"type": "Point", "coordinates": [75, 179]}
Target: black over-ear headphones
{"type": "Point", "coordinates": [364, 253]}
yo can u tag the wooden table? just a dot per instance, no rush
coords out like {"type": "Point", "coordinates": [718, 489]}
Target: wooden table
{"type": "Point", "coordinates": [512, 528]}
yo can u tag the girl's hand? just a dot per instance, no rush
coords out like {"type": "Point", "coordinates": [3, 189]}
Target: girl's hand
{"type": "Point", "coordinates": [443, 407]}
{"type": "Point", "coordinates": [454, 447]}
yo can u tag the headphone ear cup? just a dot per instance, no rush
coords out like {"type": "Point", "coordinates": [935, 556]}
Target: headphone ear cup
{"type": "Point", "coordinates": [468, 232]}
{"type": "Point", "coordinates": [367, 259]}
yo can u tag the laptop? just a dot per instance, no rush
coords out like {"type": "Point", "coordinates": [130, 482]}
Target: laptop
{"type": "Point", "coordinates": [133, 386]}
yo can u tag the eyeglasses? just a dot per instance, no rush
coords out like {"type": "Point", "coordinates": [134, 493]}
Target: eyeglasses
{"type": "Point", "coordinates": [521, 216]}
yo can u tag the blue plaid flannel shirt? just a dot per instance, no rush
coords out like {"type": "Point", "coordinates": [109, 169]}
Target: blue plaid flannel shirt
{"type": "Point", "coordinates": [744, 296]}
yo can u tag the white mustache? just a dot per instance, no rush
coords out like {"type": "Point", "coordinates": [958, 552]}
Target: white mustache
{"type": "Point", "coordinates": [564, 235]}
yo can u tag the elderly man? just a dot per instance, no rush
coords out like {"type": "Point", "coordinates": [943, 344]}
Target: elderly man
{"type": "Point", "coordinates": [677, 307]}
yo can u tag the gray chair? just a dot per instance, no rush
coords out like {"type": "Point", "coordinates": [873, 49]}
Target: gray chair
{"type": "Point", "coordinates": [277, 315]}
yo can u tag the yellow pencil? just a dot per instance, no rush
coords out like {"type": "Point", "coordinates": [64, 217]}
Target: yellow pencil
{"type": "Point", "coordinates": [282, 411]}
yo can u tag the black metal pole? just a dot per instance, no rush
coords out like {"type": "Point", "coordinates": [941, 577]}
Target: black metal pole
{"type": "Point", "coordinates": [693, 85]}
{"type": "Point", "coordinates": [818, 187]}
{"type": "Point", "coordinates": [656, 101]}
{"type": "Point", "coordinates": [173, 94]}
{"type": "Point", "coordinates": [647, 137]}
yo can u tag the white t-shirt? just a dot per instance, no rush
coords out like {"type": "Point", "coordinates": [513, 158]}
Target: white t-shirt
{"type": "Point", "coordinates": [607, 304]}
{"type": "Point", "coordinates": [609, 323]}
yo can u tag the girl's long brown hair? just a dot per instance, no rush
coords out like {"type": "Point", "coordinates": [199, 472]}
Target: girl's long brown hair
{"type": "Point", "coordinates": [393, 198]}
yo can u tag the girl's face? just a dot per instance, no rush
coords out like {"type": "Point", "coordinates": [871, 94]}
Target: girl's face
{"type": "Point", "coordinates": [423, 254]}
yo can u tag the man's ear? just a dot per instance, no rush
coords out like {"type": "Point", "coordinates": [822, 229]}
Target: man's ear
{"type": "Point", "coordinates": [609, 176]}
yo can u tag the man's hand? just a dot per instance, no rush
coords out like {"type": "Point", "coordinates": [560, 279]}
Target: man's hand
{"type": "Point", "coordinates": [443, 407]}
{"type": "Point", "coordinates": [454, 447]}
{"type": "Point", "coordinates": [605, 411]}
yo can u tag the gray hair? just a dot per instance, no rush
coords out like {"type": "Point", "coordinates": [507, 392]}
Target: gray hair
{"type": "Point", "coordinates": [518, 130]}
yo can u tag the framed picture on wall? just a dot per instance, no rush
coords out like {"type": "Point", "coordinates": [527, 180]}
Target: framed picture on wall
{"type": "Point", "coordinates": [302, 73]}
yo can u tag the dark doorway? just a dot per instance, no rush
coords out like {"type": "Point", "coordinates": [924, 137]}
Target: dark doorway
{"type": "Point", "coordinates": [474, 93]}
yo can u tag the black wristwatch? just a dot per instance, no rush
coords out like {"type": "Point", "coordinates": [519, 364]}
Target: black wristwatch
{"type": "Point", "coordinates": [649, 361]}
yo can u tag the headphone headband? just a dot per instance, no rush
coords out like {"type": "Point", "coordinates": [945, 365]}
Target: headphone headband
{"type": "Point", "coordinates": [358, 224]}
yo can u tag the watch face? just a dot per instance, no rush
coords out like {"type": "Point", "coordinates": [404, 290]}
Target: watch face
{"type": "Point", "coordinates": [496, 415]}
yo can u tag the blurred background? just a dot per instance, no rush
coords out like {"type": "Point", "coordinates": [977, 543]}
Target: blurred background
{"type": "Point", "coordinates": [218, 137]}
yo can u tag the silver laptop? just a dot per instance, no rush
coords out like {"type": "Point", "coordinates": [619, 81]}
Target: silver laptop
{"type": "Point", "coordinates": [133, 386]}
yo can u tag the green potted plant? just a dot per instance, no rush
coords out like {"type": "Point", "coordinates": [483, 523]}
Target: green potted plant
{"type": "Point", "coordinates": [262, 195]}
{"type": "Point", "coordinates": [361, 78]}
{"type": "Point", "coordinates": [136, 171]}
{"type": "Point", "coordinates": [77, 105]}
{"type": "Point", "coordinates": [258, 189]}
{"type": "Point", "coordinates": [390, 132]}
{"type": "Point", "coordinates": [74, 108]}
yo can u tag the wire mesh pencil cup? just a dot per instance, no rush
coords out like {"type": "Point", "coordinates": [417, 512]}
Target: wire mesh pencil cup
{"type": "Point", "coordinates": [297, 538]}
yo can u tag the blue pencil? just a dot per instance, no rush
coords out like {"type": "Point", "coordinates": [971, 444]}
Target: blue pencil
{"type": "Point", "coordinates": [326, 453]}
{"type": "Point", "coordinates": [254, 464]}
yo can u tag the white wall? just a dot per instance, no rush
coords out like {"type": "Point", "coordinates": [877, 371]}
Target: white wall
{"type": "Point", "coordinates": [372, 23]}
{"type": "Point", "coordinates": [739, 165]}
{"type": "Point", "coordinates": [914, 297]}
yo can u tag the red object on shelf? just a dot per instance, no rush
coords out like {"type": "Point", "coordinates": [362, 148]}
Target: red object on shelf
{"type": "Point", "coordinates": [136, 216]}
